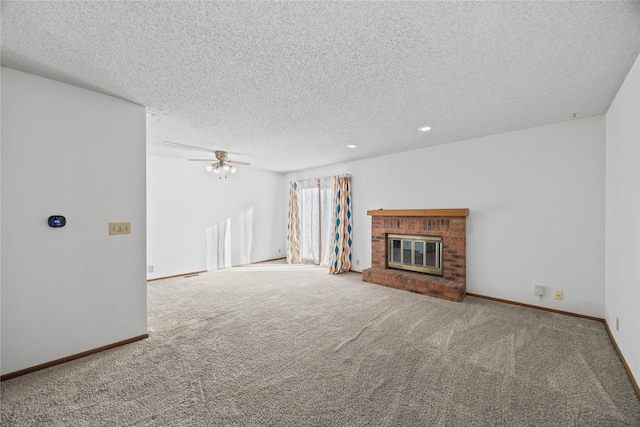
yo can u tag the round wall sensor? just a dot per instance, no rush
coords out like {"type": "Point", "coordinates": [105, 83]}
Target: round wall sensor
{"type": "Point", "coordinates": [57, 221]}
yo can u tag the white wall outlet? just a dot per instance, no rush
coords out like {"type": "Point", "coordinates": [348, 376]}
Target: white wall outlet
{"type": "Point", "coordinates": [279, 250]}
{"type": "Point", "coordinates": [119, 228]}
{"type": "Point", "coordinates": [150, 269]}
{"type": "Point", "coordinates": [558, 295]}
{"type": "Point", "coordinates": [538, 289]}
{"type": "Point", "coordinates": [357, 262]}
{"type": "Point", "coordinates": [617, 324]}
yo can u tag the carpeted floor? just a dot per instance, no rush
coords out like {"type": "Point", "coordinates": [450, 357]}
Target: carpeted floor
{"type": "Point", "coordinates": [271, 344]}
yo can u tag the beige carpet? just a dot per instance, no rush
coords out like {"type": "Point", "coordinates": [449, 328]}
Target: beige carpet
{"type": "Point", "coordinates": [293, 346]}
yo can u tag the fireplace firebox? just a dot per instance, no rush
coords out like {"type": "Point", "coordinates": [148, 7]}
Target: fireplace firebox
{"type": "Point", "coordinates": [415, 253]}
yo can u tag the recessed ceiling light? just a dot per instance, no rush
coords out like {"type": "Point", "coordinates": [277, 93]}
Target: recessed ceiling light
{"type": "Point", "coordinates": [425, 128]}
{"type": "Point", "coordinates": [351, 146]}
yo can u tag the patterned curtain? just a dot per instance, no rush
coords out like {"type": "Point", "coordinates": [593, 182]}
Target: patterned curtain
{"type": "Point", "coordinates": [293, 229]}
{"type": "Point", "coordinates": [341, 257]}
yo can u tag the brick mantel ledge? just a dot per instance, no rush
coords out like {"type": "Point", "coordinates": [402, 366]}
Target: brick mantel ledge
{"type": "Point", "coordinates": [419, 212]}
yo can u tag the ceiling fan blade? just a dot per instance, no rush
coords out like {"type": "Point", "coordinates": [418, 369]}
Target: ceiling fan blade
{"type": "Point", "coordinates": [190, 147]}
{"type": "Point", "coordinates": [219, 154]}
{"type": "Point", "coordinates": [234, 162]}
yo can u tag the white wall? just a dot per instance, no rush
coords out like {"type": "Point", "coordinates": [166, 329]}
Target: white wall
{"type": "Point", "coordinates": [622, 262]}
{"type": "Point", "coordinates": [81, 154]}
{"type": "Point", "coordinates": [186, 204]}
{"type": "Point", "coordinates": [536, 200]}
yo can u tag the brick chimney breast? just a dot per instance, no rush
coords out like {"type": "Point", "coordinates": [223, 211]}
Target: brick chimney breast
{"type": "Point", "coordinates": [449, 224]}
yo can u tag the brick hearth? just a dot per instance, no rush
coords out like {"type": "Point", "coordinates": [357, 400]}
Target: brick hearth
{"type": "Point", "coordinates": [450, 224]}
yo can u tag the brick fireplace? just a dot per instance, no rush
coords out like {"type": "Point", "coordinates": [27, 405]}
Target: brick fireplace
{"type": "Point", "coordinates": [449, 224]}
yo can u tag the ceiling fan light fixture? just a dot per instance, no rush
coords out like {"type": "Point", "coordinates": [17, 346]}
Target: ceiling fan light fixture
{"type": "Point", "coordinates": [221, 166]}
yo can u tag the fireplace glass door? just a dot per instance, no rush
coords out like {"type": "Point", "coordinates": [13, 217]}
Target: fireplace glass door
{"type": "Point", "coordinates": [415, 253]}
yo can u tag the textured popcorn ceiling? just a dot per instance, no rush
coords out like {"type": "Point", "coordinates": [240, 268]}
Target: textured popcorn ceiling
{"type": "Point", "coordinates": [287, 85]}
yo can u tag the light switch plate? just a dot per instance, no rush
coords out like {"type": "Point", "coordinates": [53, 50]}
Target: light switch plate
{"type": "Point", "coordinates": [119, 228]}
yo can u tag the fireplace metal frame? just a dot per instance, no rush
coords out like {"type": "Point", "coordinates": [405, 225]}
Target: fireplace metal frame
{"type": "Point", "coordinates": [437, 270]}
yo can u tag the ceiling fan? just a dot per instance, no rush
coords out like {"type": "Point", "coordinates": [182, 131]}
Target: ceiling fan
{"type": "Point", "coordinates": [221, 165]}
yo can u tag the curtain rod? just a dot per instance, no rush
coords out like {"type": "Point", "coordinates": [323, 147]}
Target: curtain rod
{"type": "Point", "coordinates": [346, 175]}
